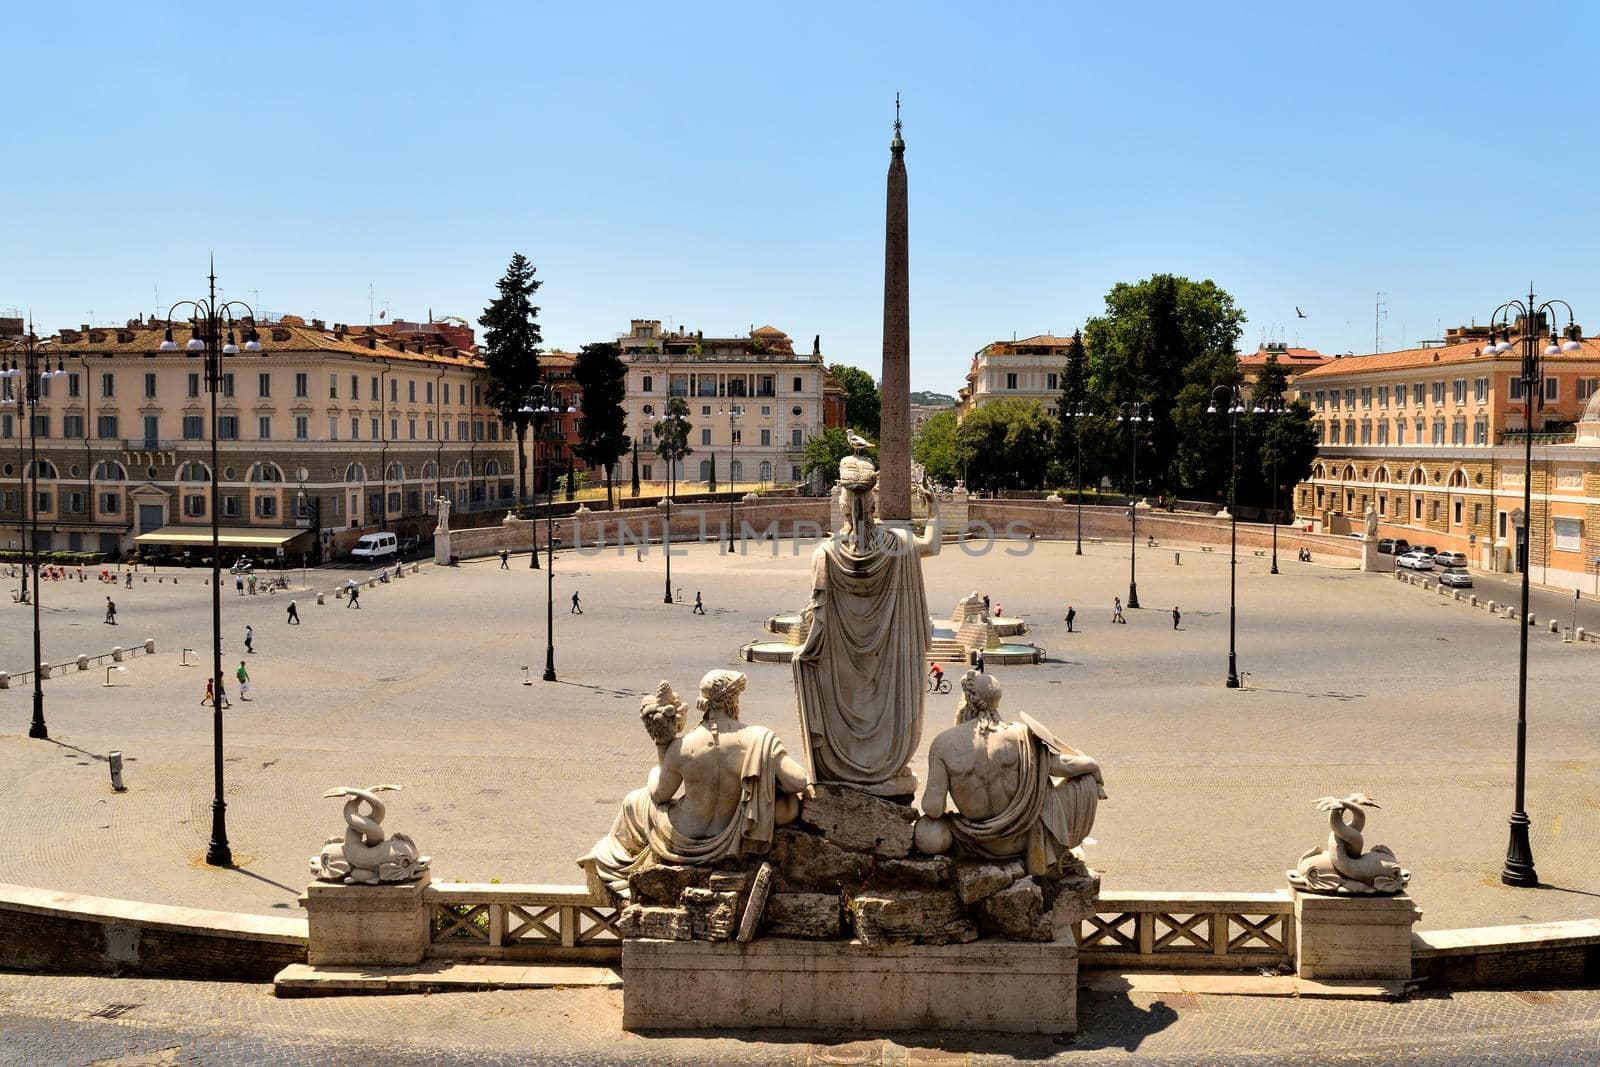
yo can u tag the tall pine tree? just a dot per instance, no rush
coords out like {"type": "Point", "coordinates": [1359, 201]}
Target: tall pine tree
{"type": "Point", "coordinates": [510, 353]}
{"type": "Point", "coordinates": [601, 375]}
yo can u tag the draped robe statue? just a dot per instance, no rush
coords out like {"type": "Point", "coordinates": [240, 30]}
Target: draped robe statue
{"type": "Point", "coordinates": [858, 676]}
{"type": "Point", "coordinates": [1021, 793]}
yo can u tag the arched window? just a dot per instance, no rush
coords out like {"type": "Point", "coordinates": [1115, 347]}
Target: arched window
{"type": "Point", "coordinates": [265, 472]}
{"type": "Point", "coordinates": [430, 471]}
{"type": "Point", "coordinates": [1349, 472]}
{"type": "Point", "coordinates": [766, 470]}
{"type": "Point", "coordinates": [396, 472]}
{"type": "Point", "coordinates": [736, 470]}
{"type": "Point", "coordinates": [491, 468]}
{"type": "Point", "coordinates": [1418, 477]}
{"type": "Point", "coordinates": [1382, 475]}
{"type": "Point", "coordinates": [705, 470]}
{"type": "Point", "coordinates": [45, 469]}
{"type": "Point", "coordinates": [1458, 479]}
{"type": "Point", "coordinates": [194, 472]}
{"type": "Point", "coordinates": [463, 469]}
{"type": "Point", "coordinates": [1318, 473]}
{"type": "Point", "coordinates": [355, 473]}
{"type": "Point", "coordinates": [109, 470]}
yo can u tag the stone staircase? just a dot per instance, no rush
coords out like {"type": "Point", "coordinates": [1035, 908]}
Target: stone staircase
{"type": "Point", "coordinates": [947, 650]}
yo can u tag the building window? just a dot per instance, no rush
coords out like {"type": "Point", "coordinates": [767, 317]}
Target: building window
{"type": "Point", "coordinates": [461, 430]}
{"type": "Point", "coordinates": [228, 427]}
{"type": "Point", "coordinates": [394, 390]}
{"type": "Point", "coordinates": [1438, 431]}
{"type": "Point", "coordinates": [1587, 387]}
{"type": "Point", "coordinates": [647, 472]}
{"type": "Point", "coordinates": [230, 507]}
{"type": "Point", "coordinates": [1502, 526]}
{"type": "Point", "coordinates": [194, 385]}
{"type": "Point", "coordinates": [430, 429]}
{"type": "Point", "coordinates": [194, 427]}
{"type": "Point", "coordinates": [1333, 433]}
{"type": "Point", "coordinates": [394, 429]}
{"type": "Point", "coordinates": [263, 384]}
{"type": "Point", "coordinates": [39, 426]}
{"type": "Point", "coordinates": [72, 385]}
{"type": "Point", "coordinates": [110, 503]}
{"type": "Point", "coordinates": [1333, 400]}
{"type": "Point", "coordinates": [1477, 514]}
{"type": "Point", "coordinates": [302, 427]}
{"type": "Point", "coordinates": [105, 427]}
{"type": "Point", "coordinates": [149, 385]}
{"type": "Point", "coordinates": [427, 392]}
{"type": "Point", "coordinates": [264, 427]}
{"type": "Point", "coordinates": [41, 501]}
{"type": "Point", "coordinates": [1552, 389]}
{"type": "Point", "coordinates": [1456, 512]}
{"type": "Point", "coordinates": [1418, 392]}
{"type": "Point", "coordinates": [1480, 430]}
{"type": "Point", "coordinates": [1458, 391]}
{"type": "Point", "coordinates": [1050, 380]}
{"type": "Point", "coordinates": [333, 386]}
{"type": "Point", "coordinates": [1366, 432]}
{"type": "Point", "coordinates": [1458, 431]}
{"type": "Point", "coordinates": [1515, 391]}
{"type": "Point", "coordinates": [1366, 396]}
{"type": "Point", "coordinates": [1322, 400]}
{"type": "Point", "coordinates": [1399, 431]}
{"type": "Point", "coordinates": [799, 387]}
{"type": "Point", "coordinates": [72, 503]}
{"type": "Point", "coordinates": [373, 392]}
{"type": "Point", "coordinates": [355, 428]}
{"type": "Point", "coordinates": [1383, 396]}
{"type": "Point", "coordinates": [108, 384]}
{"type": "Point", "coordinates": [1438, 393]}
{"type": "Point", "coordinates": [705, 436]}
{"type": "Point", "coordinates": [333, 427]}
{"type": "Point", "coordinates": [766, 438]}
{"type": "Point", "coordinates": [302, 384]}
{"type": "Point", "coordinates": [1011, 381]}
{"type": "Point", "coordinates": [71, 426]}
{"type": "Point", "coordinates": [411, 390]}
{"type": "Point", "coordinates": [227, 385]}
{"type": "Point", "coordinates": [376, 433]}
{"type": "Point", "coordinates": [738, 437]}
{"type": "Point", "coordinates": [266, 507]}
{"type": "Point", "coordinates": [1416, 502]}
{"type": "Point", "coordinates": [796, 438]}
{"type": "Point", "coordinates": [1568, 534]}
{"type": "Point", "coordinates": [794, 472]}
{"type": "Point", "coordinates": [1480, 390]}
{"type": "Point", "coordinates": [355, 387]}
{"type": "Point", "coordinates": [1350, 398]}
{"type": "Point", "coordinates": [1383, 432]}
{"type": "Point", "coordinates": [411, 429]}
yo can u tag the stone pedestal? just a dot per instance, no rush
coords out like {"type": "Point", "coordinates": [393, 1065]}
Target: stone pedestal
{"type": "Point", "coordinates": [1373, 560]}
{"type": "Point", "coordinates": [1003, 986]}
{"type": "Point", "coordinates": [381, 925]}
{"type": "Point", "coordinates": [1353, 936]}
{"type": "Point", "coordinates": [441, 548]}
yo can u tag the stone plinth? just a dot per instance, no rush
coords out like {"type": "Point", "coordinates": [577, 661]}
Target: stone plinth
{"type": "Point", "coordinates": [1002, 986]}
{"type": "Point", "coordinates": [1353, 936]}
{"type": "Point", "coordinates": [385, 925]}
{"type": "Point", "coordinates": [1374, 561]}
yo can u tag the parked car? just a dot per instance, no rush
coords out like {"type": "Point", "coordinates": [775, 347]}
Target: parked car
{"type": "Point", "coordinates": [1449, 559]}
{"type": "Point", "coordinates": [375, 547]}
{"type": "Point", "coordinates": [1415, 560]}
{"type": "Point", "coordinates": [1456, 579]}
{"type": "Point", "coordinates": [409, 545]}
{"type": "Point", "coordinates": [1427, 550]}
{"type": "Point", "coordinates": [1394, 546]}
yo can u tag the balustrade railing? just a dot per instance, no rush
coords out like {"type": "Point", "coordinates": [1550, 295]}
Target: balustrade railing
{"type": "Point", "coordinates": [521, 922]}
{"type": "Point", "coordinates": [1189, 931]}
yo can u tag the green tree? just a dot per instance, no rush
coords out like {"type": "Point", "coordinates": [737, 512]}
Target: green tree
{"type": "Point", "coordinates": [510, 353]}
{"type": "Point", "coordinates": [861, 403]}
{"type": "Point", "coordinates": [635, 469]}
{"type": "Point", "coordinates": [672, 438]}
{"type": "Point", "coordinates": [601, 375]}
{"type": "Point", "coordinates": [1142, 349]}
{"type": "Point", "coordinates": [711, 482]}
{"type": "Point", "coordinates": [1072, 411]}
{"type": "Point", "coordinates": [824, 450]}
{"type": "Point", "coordinates": [938, 447]}
{"type": "Point", "coordinates": [1008, 443]}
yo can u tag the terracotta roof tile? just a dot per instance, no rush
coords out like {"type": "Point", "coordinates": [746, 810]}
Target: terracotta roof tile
{"type": "Point", "coordinates": [284, 337]}
{"type": "Point", "coordinates": [1418, 358]}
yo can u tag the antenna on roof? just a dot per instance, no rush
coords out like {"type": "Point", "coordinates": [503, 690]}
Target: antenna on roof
{"type": "Point", "coordinates": [1380, 311]}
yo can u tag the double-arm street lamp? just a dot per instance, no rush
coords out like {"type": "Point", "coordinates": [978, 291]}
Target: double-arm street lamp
{"type": "Point", "coordinates": [1530, 318]}
{"type": "Point", "coordinates": [33, 368]}
{"type": "Point", "coordinates": [1230, 395]}
{"type": "Point", "coordinates": [542, 403]}
{"type": "Point", "coordinates": [734, 412]}
{"type": "Point", "coordinates": [1134, 412]}
{"type": "Point", "coordinates": [1274, 406]}
{"type": "Point", "coordinates": [1077, 414]}
{"type": "Point", "coordinates": [673, 425]}
{"type": "Point", "coordinates": [211, 337]}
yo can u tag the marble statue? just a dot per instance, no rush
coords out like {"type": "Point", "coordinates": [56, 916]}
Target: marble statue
{"type": "Point", "coordinates": [1371, 523]}
{"type": "Point", "coordinates": [858, 677]}
{"type": "Point", "coordinates": [443, 504]}
{"type": "Point", "coordinates": [737, 784]}
{"type": "Point", "coordinates": [968, 607]}
{"type": "Point", "coordinates": [1003, 777]}
{"type": "Point", "coordinates": [365, 855]}
{"type": "Point", "coordinates": [1345, 865]}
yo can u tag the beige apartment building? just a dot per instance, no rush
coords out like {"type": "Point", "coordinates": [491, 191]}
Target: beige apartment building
{"type": "Point", "coordinates": [1433, 439]}
{"type": "Point", "coordinates": [1029, 369]}
{"type": "Point", "coordinates": [782, 398]}
{"type": "Point", "coordinates": [328, 432]}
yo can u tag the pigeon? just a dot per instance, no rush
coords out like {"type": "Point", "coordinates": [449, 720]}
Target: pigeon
{"type": "Point", "coordinates": [1299, 313]}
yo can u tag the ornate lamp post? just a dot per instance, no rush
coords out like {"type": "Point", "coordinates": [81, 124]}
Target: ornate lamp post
{"type": "Point", "coordinates": [1230, 395]}
{"type": "Point", "coordinates": [1077, 415]}
{"type": "Point", "coordinates": [1529, 318]}
{"type": "Point", "coordinates": [543, 402]}
{"type": "Point", "coordinates": [33, 368]}
{"type": "Point", "coordinates": [211, 337]}
{"type": "Point", "coordinates": [1274, 406]}
{"type": "Point", "coordinates": [1134, 412]}
{"type": "Point", "coordinates": [734, 412]}
{"type": "Point", "coordinates": [671, 421]}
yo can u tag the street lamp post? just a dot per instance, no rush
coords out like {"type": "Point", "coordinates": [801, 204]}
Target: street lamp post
{"type": "Point", "coordinates": [543, 402]}
{"type": "Point", "coordinates": [9, 372]}
{"type": "Point", "coordinates": [34, 368]}
{"type": "Point", "coordinates": [1134, 412]}
{"type": "Point", "coordinates": [671, 422]}
{"type": "Point", "coordinates": [734, 411]}
{"type": "Point", "coordinates": [1230, 395]}
{"type": "Point", "coordinates": [1530, 317]}
{"type": "Point", "coordinates": [212, 318]}
{"type": "Point", "coordinates": [1077, 415]}
{"type": "Point", "coordinates": [1273, 405]}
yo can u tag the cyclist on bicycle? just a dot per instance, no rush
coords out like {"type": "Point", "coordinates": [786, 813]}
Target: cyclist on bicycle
{"type": "Point", "coordinates": [935, 676]}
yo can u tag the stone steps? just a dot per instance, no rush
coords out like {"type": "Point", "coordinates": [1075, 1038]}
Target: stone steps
{"type": "Point", "coordinates": [1243, 985]}
{"type": "Point", "coordinates": [438, 976]}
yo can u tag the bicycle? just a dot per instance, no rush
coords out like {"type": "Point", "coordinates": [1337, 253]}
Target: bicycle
{"type": "Point", "coordinates": [941, 684]}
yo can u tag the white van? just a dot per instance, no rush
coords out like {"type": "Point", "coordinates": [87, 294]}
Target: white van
{"type": "Point", "coordinates": [375, 546]}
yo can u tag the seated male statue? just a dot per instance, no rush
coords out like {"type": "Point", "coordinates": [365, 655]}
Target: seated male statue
{"type": "Point", "coordinates": [1019, 792]}
{"type": "Point", "coordinates": [737, 781]}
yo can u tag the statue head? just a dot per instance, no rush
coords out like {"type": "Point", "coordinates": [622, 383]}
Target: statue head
{"type": "Point", "coordinates": [980, 699]}
{"type": "Point", "coordinates": [719, 692]}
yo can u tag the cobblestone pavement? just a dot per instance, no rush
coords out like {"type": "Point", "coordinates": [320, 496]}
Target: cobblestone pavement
{"type": "Point", "coordinates": [72, 1020]}
{"type": "Point", "coordinates": [1354, 682]}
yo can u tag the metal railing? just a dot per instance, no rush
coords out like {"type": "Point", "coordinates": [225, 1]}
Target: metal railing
{"type": "Point", "coordinates": [78, 664]}
{"type": "Point", "coordinates": [521, 922]}
{"type": "Point", "coordinates": [1189, 931]}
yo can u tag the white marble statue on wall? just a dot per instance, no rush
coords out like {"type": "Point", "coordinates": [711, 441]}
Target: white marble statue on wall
{"type": "Point", "coordinates": [365, 854]}
{"type": "Point", "coordinates": [1345, 864]}
{"type": "Point", "coordinates": [716, 793]}
{"type": "Point", "coordinates": [1019, 792]}
{"type": "Point", "coordinates": [443, 504]}
{"type": "Point", "coordinates": [858, 677]}
{"type": "Point", "coordinates": [1371, 523]}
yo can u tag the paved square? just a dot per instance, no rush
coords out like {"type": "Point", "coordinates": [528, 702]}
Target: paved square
{"type": "Point", "coordinates": [1355, 682]}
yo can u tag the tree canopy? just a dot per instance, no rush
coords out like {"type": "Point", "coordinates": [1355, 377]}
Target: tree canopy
{"type": "Point", "coordinates": [1007, 443]}
{"type": "Point", "coordinates": [938, 447]}
{"type": "Point", "coordinates": [672, 435]}
{"type": "Point", "coordinates": [824, 450]}
{"type": "Point", "coordinates": [602, 376]}
{"type": "Point", "coordinates": [861, 404]}
{"type": "Point", "coordinates": [510, 351]}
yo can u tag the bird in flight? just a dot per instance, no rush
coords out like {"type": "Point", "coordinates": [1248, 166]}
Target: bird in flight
{"type": "Point", "coordinates": [1299, 313]}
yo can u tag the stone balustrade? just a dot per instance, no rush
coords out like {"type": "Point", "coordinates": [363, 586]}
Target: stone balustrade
{"type": "Point", "coordinates": [521, 922]}
{"type": "Point", "coordinates": [1170, 931]}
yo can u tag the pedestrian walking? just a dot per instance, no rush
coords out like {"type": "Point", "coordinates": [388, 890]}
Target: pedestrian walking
{"type": "Point", "coordinates": [577, 608]}
{"type": "Point", "coordinates": [251, 582]}
{"type": "Point", "coordinates": [249, 639]}
{"type": "Point", "coordinates": [1116, 611]}
{"type": "Point", "coordinates": [1072, 616]}
{"type": "Point", "coordinates": [1177, 616]}
{"type": "Point", "coordinates": [354, 599]}
{"type": "Point", "coordinates": [244, 681]}
{"type": "Point", "coordinates": [699, 606]}
{"type": "Point", "coordinates": [505, 560]}
{"type": "Point", "coordinates": [111, 612]}
{"type": "Point", "coordinates": [294, 615]}
{"type": "Point", "coordinates": [986, 603]}
{"type": "Point", "coordinates": [129, 576]}
{"type": "Point", "coordinates": [208, 698]}
{"type": "Point", "coordinates": [238, 583]}
{"type": "Point", "coordinates": [977, 660]}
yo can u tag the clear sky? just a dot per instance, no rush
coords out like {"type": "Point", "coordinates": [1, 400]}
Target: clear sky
{"type": "Point", "coordinates": [723, 166]}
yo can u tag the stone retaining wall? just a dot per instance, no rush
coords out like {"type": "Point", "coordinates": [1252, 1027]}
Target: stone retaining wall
{"type": "Point", "coordinates": [53, 932]}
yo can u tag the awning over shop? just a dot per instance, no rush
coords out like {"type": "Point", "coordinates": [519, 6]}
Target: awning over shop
{"type": "Point", "coordinates": [258, 537]}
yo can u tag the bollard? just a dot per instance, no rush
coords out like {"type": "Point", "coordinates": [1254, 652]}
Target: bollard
{"type": "Point", "coordinates": [1533, 619]}
{"type": "Point", "coordinates": [114, 761]}
{"type": "Point", "coordinates": [1473, 599]}
{"type": "Point", "coordinates": [1577, 635]}
{"type": "Point", "coordinates": [338, 594]}
{"type": "Point", "coordinates": [116, 653]}
{"type": "Point", "coordinates": [416, 568]}
{"type": "Point", "coordinates": [1176, 561]}
{"type": "Point", "coordinates": [149, 646]}
{"type": "Point", "coordinates": [1555, 627]}
{"type": "Point", "coordinates": [83, 662]}
{"type": "Point", "coordinates": [146, 580]}
{"type": "Point", "coordinates": [44, 670]}
{"type": "Point", "coordinates": [5, 680]}
{"type": "Point", "coordinates": [319, 597]}
{"type": "Point", "coordinates": [400, 572]}
{"type": "Point", "coordinates": [1493, 607]}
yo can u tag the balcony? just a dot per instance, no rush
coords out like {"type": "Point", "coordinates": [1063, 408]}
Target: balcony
{"type": "Point", "coordinates": [1540, 437]}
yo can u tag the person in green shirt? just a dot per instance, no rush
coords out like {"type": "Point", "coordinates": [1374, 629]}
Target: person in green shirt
{"type": "Point", "coordinates": [244, 681]}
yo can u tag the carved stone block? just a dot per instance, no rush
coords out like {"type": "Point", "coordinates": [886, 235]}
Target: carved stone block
{"type": "Point", "coordinates": [807, 861]}
{"type": "Point", "coordinates": [661, 883]}
{"type": "Point", "coordinates": [975, 881]}
{"type": "Point", "coordinates": [712, 915]}
{"type": "Point", "coordinates": [810, 915]}
{"type": "Point", "coordinates": [920, 872]}
{"type": "Point", "coordinates": [655, 921]}
{"type": "Point", "coordinates": [853, 819]}
{"type": "Point", "coordinates": [1071, 899]}
{"type": "Point", "coordinates": [910, 916]}
{"type": "Point", "coordinates": [1016, 913]}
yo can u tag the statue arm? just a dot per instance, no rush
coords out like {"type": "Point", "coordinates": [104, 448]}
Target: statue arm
{"type": "Point", "coordinates": [932, 535]}
{"type": "Point", "coordinates": [792, 777]}
{"type": "Point", "coordinates": [666, 777]}
{"type": "Point", "coordinates": [933, 794]}
{"type": "Point", "coordinates": [1076, 767]}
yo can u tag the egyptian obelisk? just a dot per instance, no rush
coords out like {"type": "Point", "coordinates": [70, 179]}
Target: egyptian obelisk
{"type": "Point", "coordinates": [894, 434]}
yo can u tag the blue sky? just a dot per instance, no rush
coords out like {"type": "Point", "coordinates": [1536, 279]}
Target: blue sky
{"type": "Point", "coordinates": [723, 166]}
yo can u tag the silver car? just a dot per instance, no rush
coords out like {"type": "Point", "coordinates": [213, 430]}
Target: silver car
{"type": "Point", "coordinates": [1450, 559]}
{"type": "Point", "coordinates": [1456, 580]}
{"type": "Point", "coordinates": [1415, 560]}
